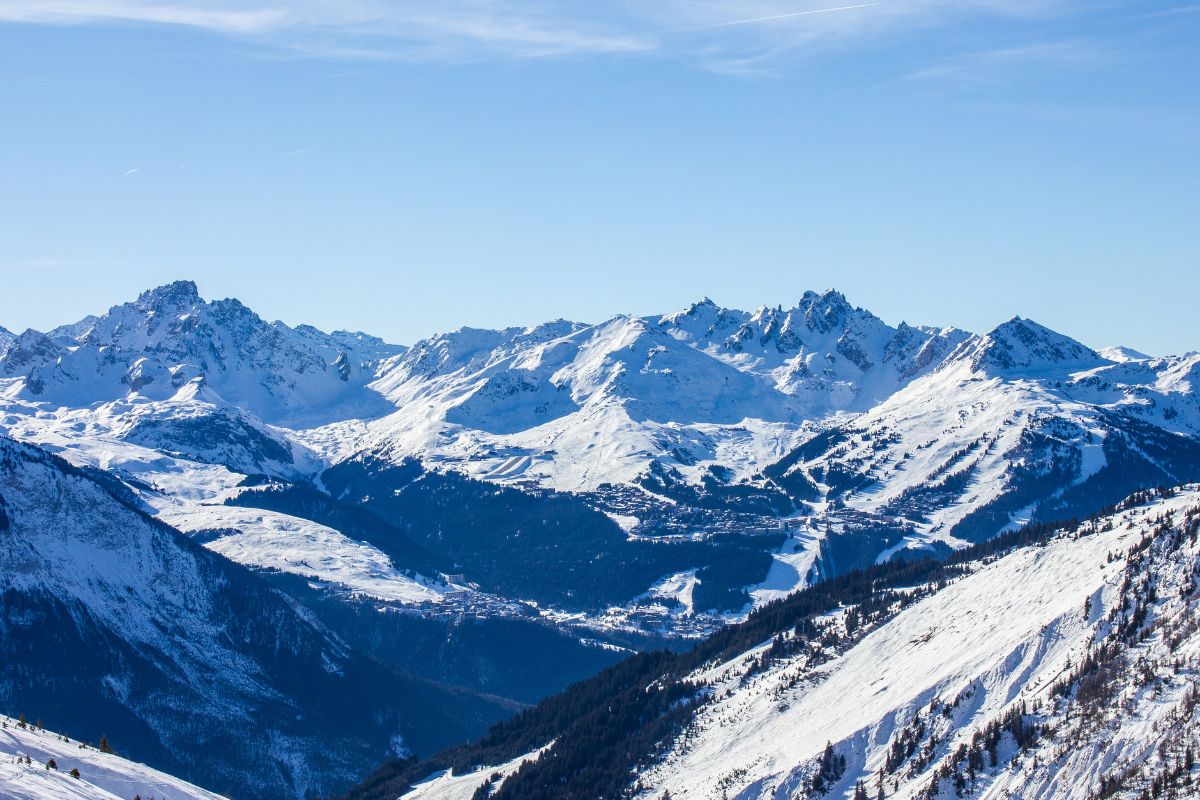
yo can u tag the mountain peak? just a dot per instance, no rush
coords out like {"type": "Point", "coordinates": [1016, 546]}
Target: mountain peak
{"type": "Point", "coordinates": [1120, 353]}
{"type": "Point", "coordinates": [1024, 345]}
{"type": "Point", "coordinates": [825, 311]}
{"type": "Point", "coordinates": [830, 295]}
{"type": "Point", "coordinates": [22, 353]}
{"type": "Point", "coordinates": [177, 294]}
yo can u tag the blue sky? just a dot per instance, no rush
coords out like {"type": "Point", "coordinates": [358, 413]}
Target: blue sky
{"type": "Point", "coordinates": [404, 168]}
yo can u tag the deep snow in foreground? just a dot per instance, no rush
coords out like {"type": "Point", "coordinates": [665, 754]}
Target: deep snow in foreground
{"type": "Point", "coordinates": [102, 776]}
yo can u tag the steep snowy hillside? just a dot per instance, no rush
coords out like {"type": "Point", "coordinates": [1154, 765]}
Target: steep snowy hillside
{"type": "Point", "coordinates": [1049, 664]}
{"type": "Point", "coordinates": [1001, 682]}
{"type": "Point", "coordinates": [114, 623]}
{"type": "Point", "coordinates": [37, 764]}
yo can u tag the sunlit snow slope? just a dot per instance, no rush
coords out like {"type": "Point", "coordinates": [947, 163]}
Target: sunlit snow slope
{"type": "Point", "coordinates": [26, 751]}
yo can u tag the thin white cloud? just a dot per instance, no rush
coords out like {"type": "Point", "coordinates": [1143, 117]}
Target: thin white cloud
{"type": "Point", "coordinates": [227, 20]}
{"type": "Point", "coordinates": [129, 172]}
{"type": "Point", "coordinates": [991, 65]}
{"type": "Point", "coordinates": [714, 32]}
{"type": "Point", "coordinates": [1175, 11]}
{"type": "Point", "coordinates": [361, 29]}
{"type": "Point", "coordinates": [790, 15]}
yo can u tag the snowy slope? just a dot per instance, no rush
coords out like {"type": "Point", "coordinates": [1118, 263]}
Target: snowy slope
{"type": "Point", "coordinates": [573, 407]}
{"type": "Point", "coordinates": [187, 661]}
{"type": "Point", "coordinates": [450, 786]}
{"type": "Point", "coordinates": [275, 541]}
{"type": "Point", "coordinates": [1013, 624]}
{"type": "Point", "coordinates": [1059, 670]}
{"type": "Point", "coordinates": [189, 491]}
{"type": "Point", "coordinates": [102, 776]}
{"type": "Point", "coordinates": [983, 645]}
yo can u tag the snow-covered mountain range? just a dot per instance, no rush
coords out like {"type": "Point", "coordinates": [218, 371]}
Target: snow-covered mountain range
{"type": "Point", "coordinates": [833, 437]}
{"type": "Point", "coordinates": [509, 511]}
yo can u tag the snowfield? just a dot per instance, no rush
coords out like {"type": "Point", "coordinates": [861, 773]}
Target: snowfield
{"type": "Point", "coordinates": [102, 776]}
{"type": "Point", "coordinates": [276, 541]}
{"type": "Point", "coordinates": [448, 786]}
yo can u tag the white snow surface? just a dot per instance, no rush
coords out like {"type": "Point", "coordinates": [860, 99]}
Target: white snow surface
{"type": "Point", "coordinates": [102, 776]}
{"type": "Point", "coordinates": [189, 495]}
{"type": "Point", "coordinates": [448, 786]}
{"type": "Point", "coordinates": [276, 541]}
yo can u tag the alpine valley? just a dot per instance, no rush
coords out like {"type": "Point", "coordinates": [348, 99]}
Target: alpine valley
{"type": "Point", "coordinates": [787, 553]}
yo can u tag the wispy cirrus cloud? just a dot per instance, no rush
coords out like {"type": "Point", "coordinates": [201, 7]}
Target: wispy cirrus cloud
{"type": "Point", "coordinates": [359, 29]}
{"type": "Point", "coordinates": [786, 16]}
{"type": "Point", "coordinates": [232, 19]}
{"type": "Point", "coordinates": [714, 32]}
{"type": "Point", "coordinates": [991, 66]}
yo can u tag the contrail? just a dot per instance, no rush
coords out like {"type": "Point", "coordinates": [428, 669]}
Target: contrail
{"type": "Point", "coordinates": [785, 16]}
